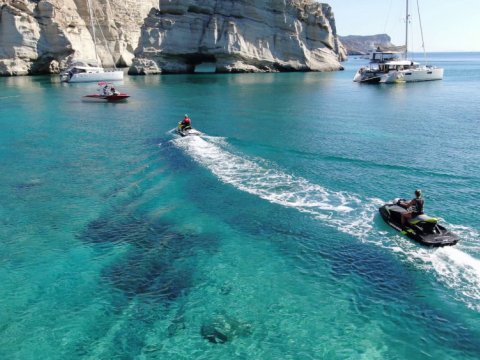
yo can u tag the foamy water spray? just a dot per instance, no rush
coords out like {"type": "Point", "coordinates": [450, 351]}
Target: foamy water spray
{"type": "Point", "coordinates": [453, 267]}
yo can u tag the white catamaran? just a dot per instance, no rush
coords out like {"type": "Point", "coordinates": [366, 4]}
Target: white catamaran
{"type": "Point", "coordinates": [89, 71]}
{"type": "Point", "coordinates": [391, 67]}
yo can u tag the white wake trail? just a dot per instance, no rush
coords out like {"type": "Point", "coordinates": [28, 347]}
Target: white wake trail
{"type": "Point", "coordinates": [462, 271]}
{"type": "Point", "coordinates": [271, 184]}
{"type": "Point", "coordinates": [453, 267]}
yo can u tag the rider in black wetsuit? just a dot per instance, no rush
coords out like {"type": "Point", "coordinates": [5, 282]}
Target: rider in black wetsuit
{"type": "Point", "coordinates": [414, 207]}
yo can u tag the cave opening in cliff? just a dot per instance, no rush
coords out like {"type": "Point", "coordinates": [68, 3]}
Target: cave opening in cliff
{"type": "Point", "coordinates": [201, 63]}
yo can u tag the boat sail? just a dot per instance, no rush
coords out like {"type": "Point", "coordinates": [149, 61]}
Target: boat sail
{"type": "Point", "coordinates": [89, 71]}
{"type": "Point", "coordinates": [389, 67]}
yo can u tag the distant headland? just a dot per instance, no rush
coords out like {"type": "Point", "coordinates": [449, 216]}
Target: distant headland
{"type": "Point", "coordinates": [361, 45]}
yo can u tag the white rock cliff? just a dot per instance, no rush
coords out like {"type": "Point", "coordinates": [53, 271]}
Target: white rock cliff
{"type": "Point", "coordinates": [43, 36]}
{"type": "Point", "coordinates": [239, 36]}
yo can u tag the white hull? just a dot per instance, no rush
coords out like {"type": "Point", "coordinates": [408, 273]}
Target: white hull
{"type": "Point", "coordinates": [386, 66]}
{"type": "Point", "coordinates": [413, 75]}
{"type": "Point", "coordinates": [94, 76]}
{"type": "Point", "coordinates": [357, 77]}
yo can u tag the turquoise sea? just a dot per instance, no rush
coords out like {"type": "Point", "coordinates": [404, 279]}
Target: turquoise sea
{"type": "Point", "coordinates": [259, 239]}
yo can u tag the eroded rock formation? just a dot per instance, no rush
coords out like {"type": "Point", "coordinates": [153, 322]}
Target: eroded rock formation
{"type": "Point", "coordinates": [239, 36]}
{"type": "Point", "coordinates": [43, 36]}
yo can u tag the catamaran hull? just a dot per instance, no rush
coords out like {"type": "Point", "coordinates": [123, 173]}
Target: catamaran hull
{"type": "Point", "coordinates": [367, 78]}
{"type": "Point", "coordinates": [400, 76]}
{"type": "Point", "coordinates": [413, 75]}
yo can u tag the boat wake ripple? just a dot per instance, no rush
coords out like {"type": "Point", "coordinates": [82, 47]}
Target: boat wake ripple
{"type": "Point", "coordinates": [9, 97]}
{"type": "Point", "coordinates": [257, 177]}
{"type": "Point", "coordinates": [347, 212]}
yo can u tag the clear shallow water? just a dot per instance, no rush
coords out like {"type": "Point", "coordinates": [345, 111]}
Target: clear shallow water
{"type": "Point", "coordinates": [118, 240]}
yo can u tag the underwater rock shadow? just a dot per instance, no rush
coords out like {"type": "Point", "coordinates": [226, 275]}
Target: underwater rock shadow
{"type": "Point", "coordinates": [150, 267]}
{"type": "Point", "coordinates": [222, 328]}
{"type": "Point", "coordinates": [29, 184]}
{"type": "Point", "coordinates": [155, 272]}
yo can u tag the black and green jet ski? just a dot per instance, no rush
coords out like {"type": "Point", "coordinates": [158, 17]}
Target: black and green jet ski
{"type": "Point", "coordinates": [422, 228]}
{"type": "Point", "coordinates": [186, 131]}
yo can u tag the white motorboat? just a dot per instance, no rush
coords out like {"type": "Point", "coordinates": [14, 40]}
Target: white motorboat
{"type": "Point", "coordinates": [90, 71]}
{"type": "Point", "coordinates": [87, 71]}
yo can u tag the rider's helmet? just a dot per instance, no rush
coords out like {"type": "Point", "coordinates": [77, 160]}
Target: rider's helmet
{"type": "Point", "coordinates": [418, 193]}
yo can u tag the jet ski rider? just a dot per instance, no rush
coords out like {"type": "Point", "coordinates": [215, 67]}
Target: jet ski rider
{"type": "Point", "coordinates": [414, 207]}
{"type": "Point", "coordinates": [185, 124]}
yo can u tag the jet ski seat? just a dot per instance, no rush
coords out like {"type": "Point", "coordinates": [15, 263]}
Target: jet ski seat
{"type": "Point", "coordinates": [423, 218]}
{"type": "Point", "coordinates": [427, 223]}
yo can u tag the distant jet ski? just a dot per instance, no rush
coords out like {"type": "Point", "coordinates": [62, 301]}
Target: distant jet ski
{"type": "Point", "coordinates": [188, 131]}
{"type": "Point", "coordinates": [422, 228]}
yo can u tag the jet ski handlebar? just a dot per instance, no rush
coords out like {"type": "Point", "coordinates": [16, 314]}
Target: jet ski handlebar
{"type": "Point", "coordinates": [399, 201]}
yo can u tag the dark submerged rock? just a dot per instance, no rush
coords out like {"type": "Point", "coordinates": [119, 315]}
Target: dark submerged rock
{"type": "Point", "coordinates": [223, 328]}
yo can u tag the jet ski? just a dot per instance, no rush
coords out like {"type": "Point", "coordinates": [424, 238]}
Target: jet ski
{"type": "Point", "coordinates": [422, 228]}
{"type": "Point", "coordinates": [188, 131]}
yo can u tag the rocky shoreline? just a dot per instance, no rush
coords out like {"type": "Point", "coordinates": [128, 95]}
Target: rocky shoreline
{"type": "Point", "coordinates": [152, 36]}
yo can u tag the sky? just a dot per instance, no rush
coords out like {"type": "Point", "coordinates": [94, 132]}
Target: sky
{"type": "Point", "coordinates": [447, 25]}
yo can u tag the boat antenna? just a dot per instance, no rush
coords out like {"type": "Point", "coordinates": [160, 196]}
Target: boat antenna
{"type": "Point", "coordinates": [388, 17]}
{"type": "Point", "coordinates": [421, 33]}
{"type": "Point", "coordinates": [89, 3]}
{"type": "Point", "coordinates": [407, 19]}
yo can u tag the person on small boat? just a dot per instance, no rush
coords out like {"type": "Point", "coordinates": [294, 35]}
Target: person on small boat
{"type": "Point", "coordinates": [185, 124]}
{"type": "Point", "coordinates": [414, 207]}
{"type": "Point", "coordinates": [105, 90]}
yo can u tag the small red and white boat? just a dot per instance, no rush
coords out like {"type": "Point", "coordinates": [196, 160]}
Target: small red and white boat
{"type": "Point", "coordinates": [106, 93]}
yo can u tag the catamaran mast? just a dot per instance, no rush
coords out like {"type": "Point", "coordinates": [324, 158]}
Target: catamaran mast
{"type": "Point", "coordinates": [406, 32]}
{"type": "Point", "coordinates": [89, 3]}
{"type": "Point", "coordinates": [421, 33]}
